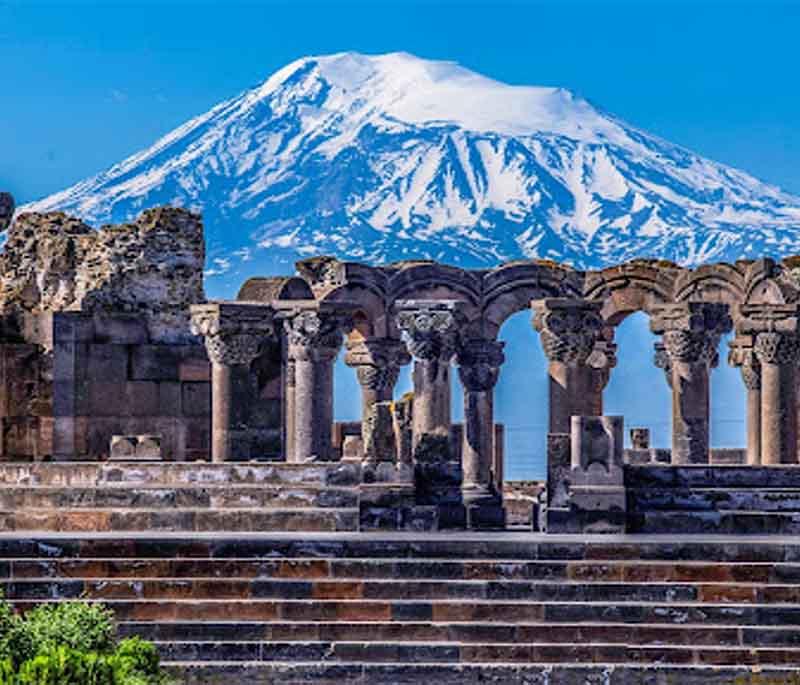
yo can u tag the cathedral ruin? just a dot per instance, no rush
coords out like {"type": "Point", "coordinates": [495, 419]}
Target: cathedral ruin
{"type": "Point", "coordinates": [111, 353]}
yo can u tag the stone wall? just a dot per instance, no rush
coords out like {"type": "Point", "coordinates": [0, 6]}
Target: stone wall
{"type": "Point", "coordinates": [95, 338]}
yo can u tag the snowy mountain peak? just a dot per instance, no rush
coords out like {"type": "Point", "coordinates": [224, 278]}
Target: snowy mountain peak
{"type": "Point", "coordinates": [391, 157]}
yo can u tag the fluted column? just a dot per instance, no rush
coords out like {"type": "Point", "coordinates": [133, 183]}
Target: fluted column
{"type": "Point", "coordinates": [479, 363]}
{"type": "Point", "coordinates": [377, 362]}
{"type": "Point", "coordinates": [742, 354]}
{"type": "Point", "coordinates": [233, 336]}
{"type": "Point", "coordinates": [569, 331]}
{"type": "Point", "coordinates": [431, 331]}
{"type": "Point", "coordinates": [690, 335]}
{"type": "Point", "coordinates": [776, 343]}
{"type": "Point", "coordinates": [313, 338]}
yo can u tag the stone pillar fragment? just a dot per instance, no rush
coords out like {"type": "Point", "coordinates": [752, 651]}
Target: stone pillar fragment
{"type": "Point", "coordinates": [776, 343]}
{"type": "Point", "coordinates": [313, 335]}
{"type": "Point", "coordinates": [570, 330]}
{"type": "Point", "coordinates": [690, 336]}
{"type": "Point", "coordinates": [743, 355]}
{"type": "Point", "coordinates": [234, 333]}
{"type": "Point", "coordinates": [597, 490]}
{"type": "Point", "coordinates": [377, 362]}
{"type": "Point", "coordinates": [479, 366]}
{"type": "Point", "coordinates": [431, 331]}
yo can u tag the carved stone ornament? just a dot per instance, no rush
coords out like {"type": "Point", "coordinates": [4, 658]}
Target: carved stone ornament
{"type": "Point", "coordinates": [744, 356]}
{"type": "Point", "coordinates": [312, 334]}
{"type": "Point", "coordinates": [777, 348]}
{"type": "Point", "coordinates": [691, 331]}
{"type": "Point", "coordinates": [479, 363]}
{"type": "Point", "coordinates": [663, 361]}
{"type": "Point", "coordinates": [233, 333]}
{"type": "Point", "coordinates": [377, 361]}
{"type": "Point", "coordinates": [774, 329]}
{"type": "Point", "coordinates": [568, 329]}
{"type": "Point", "coordinates": [430, 329]}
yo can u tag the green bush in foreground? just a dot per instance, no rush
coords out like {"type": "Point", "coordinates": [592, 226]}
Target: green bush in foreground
{"type": "Point", "coordinates": [72, 643]}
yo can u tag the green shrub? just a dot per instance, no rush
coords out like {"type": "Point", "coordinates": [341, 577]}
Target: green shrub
{"type": "Point", "coordinates": [81, 626]}
{"type": "Point", "coordinates": [72, 643]}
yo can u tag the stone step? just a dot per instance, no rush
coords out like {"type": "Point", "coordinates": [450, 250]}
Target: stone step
{"type": "Point", "coordinates": [719, 522]}
{"type": "Point", "coordinates": [195, 496]}
{"type": "Point", "coordinates": [400, 547]}
{"type": "Point", "coordinates": [449, 652]}
{"type": "Point", "coordinates": [489, 633]}
{"type": "Point", "coordinates": [713, 499]}
{"type": "Point", "coordinates": [444, 611]}
{"type": "Point", "coordinates": [93, 474]}
{"type": "Point", "coordinates": [179, 520]}
{"type": "Point", "coordinates": [355, 672]}
{"type": "Point", "coordinates": [650, 476]}
{"type": "Point", "coordinates": [361, 569]}
{"type": "Point", "coordinates": [418, 590]}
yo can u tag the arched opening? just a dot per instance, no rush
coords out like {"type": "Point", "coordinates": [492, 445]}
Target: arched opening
{"type": "Point", "coordinates": [521, 400]}
{"type": "Point", "coordinates": [637, 389]}
{"type": "Point", "coordinates": [728, 402]}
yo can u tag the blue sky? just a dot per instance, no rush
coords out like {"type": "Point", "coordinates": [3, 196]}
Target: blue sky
{"type": "Point", "coordinates": [85, 84]}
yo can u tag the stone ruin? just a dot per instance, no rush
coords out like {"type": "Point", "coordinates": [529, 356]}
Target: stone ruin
{"type": "Point", "coordinates": [106, 336]}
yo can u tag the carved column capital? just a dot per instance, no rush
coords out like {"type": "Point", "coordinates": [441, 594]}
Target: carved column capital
{"type": "Point", "coordinates": [774, 330]}
{"type": "Point", "coordinates": [233, 332]}
{"type": "Point", "coordinates": [314, 334]}
{"type": "Point", "coordinates": [602, 359]}
{"type": "Point", "coordinates": [569, 329]}
{"type": "Point", "coordinates": [377, 361]}
{"type": "Point", "coordinates": [431, 328]}
{"type": "Point", "coordinates": [742, 354]}
{"type": "Point", "coordinates": [691, 331]}
{"type": "Point", "coordinates": [479, 363]}
{"type": "Point", "coordinates": [663, 361]}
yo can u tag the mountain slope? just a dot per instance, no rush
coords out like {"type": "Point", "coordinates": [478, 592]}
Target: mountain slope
{"type": "Point", "coordinates": [381, 158]}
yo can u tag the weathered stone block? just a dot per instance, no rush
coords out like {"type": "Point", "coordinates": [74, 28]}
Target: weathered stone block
{"type": "Point", "coordinates": [108, 363]}
{"type": "Point", "coordinates": [142, 398]}
{"type": "Point", "coordinates": [196, 400]}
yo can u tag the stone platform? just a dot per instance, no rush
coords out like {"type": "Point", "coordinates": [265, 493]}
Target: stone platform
{"type": "Point", "coordinates": [456, 608]}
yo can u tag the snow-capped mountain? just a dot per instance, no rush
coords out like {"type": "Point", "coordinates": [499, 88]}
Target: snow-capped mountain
{"type": "Point", "coordinates": [390, 157]}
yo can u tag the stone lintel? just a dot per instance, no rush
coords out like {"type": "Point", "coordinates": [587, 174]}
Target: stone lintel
{"type": "Point", "coordinates": [753, 319]}
{"type": "Point", "coordinates": [691, 317]}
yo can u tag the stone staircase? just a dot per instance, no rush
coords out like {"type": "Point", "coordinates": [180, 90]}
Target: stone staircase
{"type": "Point", "coordinates": [454, 608]}
{"type": "Point", "coordinates": [178, 496]}
{"type": "Point", "coordinates": [713, 499]}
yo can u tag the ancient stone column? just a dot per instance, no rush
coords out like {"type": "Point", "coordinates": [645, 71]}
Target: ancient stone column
{"type": "Point", "coordinates": [776, 343]}
{"type": "Point", "coordinates": [690, 335]}
{"type": "Point", "coordinates": [479, 363]}
{"type": "Point", "coordinates": [313, 337]}
{"type": "Point", "coordinates": [233, 333]}
{"type": "Point", "coordinates": [569, 331]}
{"type": "Point", "coordinates": [742, 354]}
{"type": "Point", "coordinates": [377, 362]}
{"type": "Point", "coordinates": [431, 331]}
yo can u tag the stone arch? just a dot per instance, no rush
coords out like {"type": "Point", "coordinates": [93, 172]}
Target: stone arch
{"type": "Point", "coordinates": [632, 287]}
{"type": "Point", "coordinates": [722, 283]}
{"type": "Point", "coordinates": [763, 285]}
{"type": "Point", "coordinates": [510, 288]}
{"type": "Point", "coordinates": [431, 281]}
{"type": "Point", "coordinates": [276, 288]}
